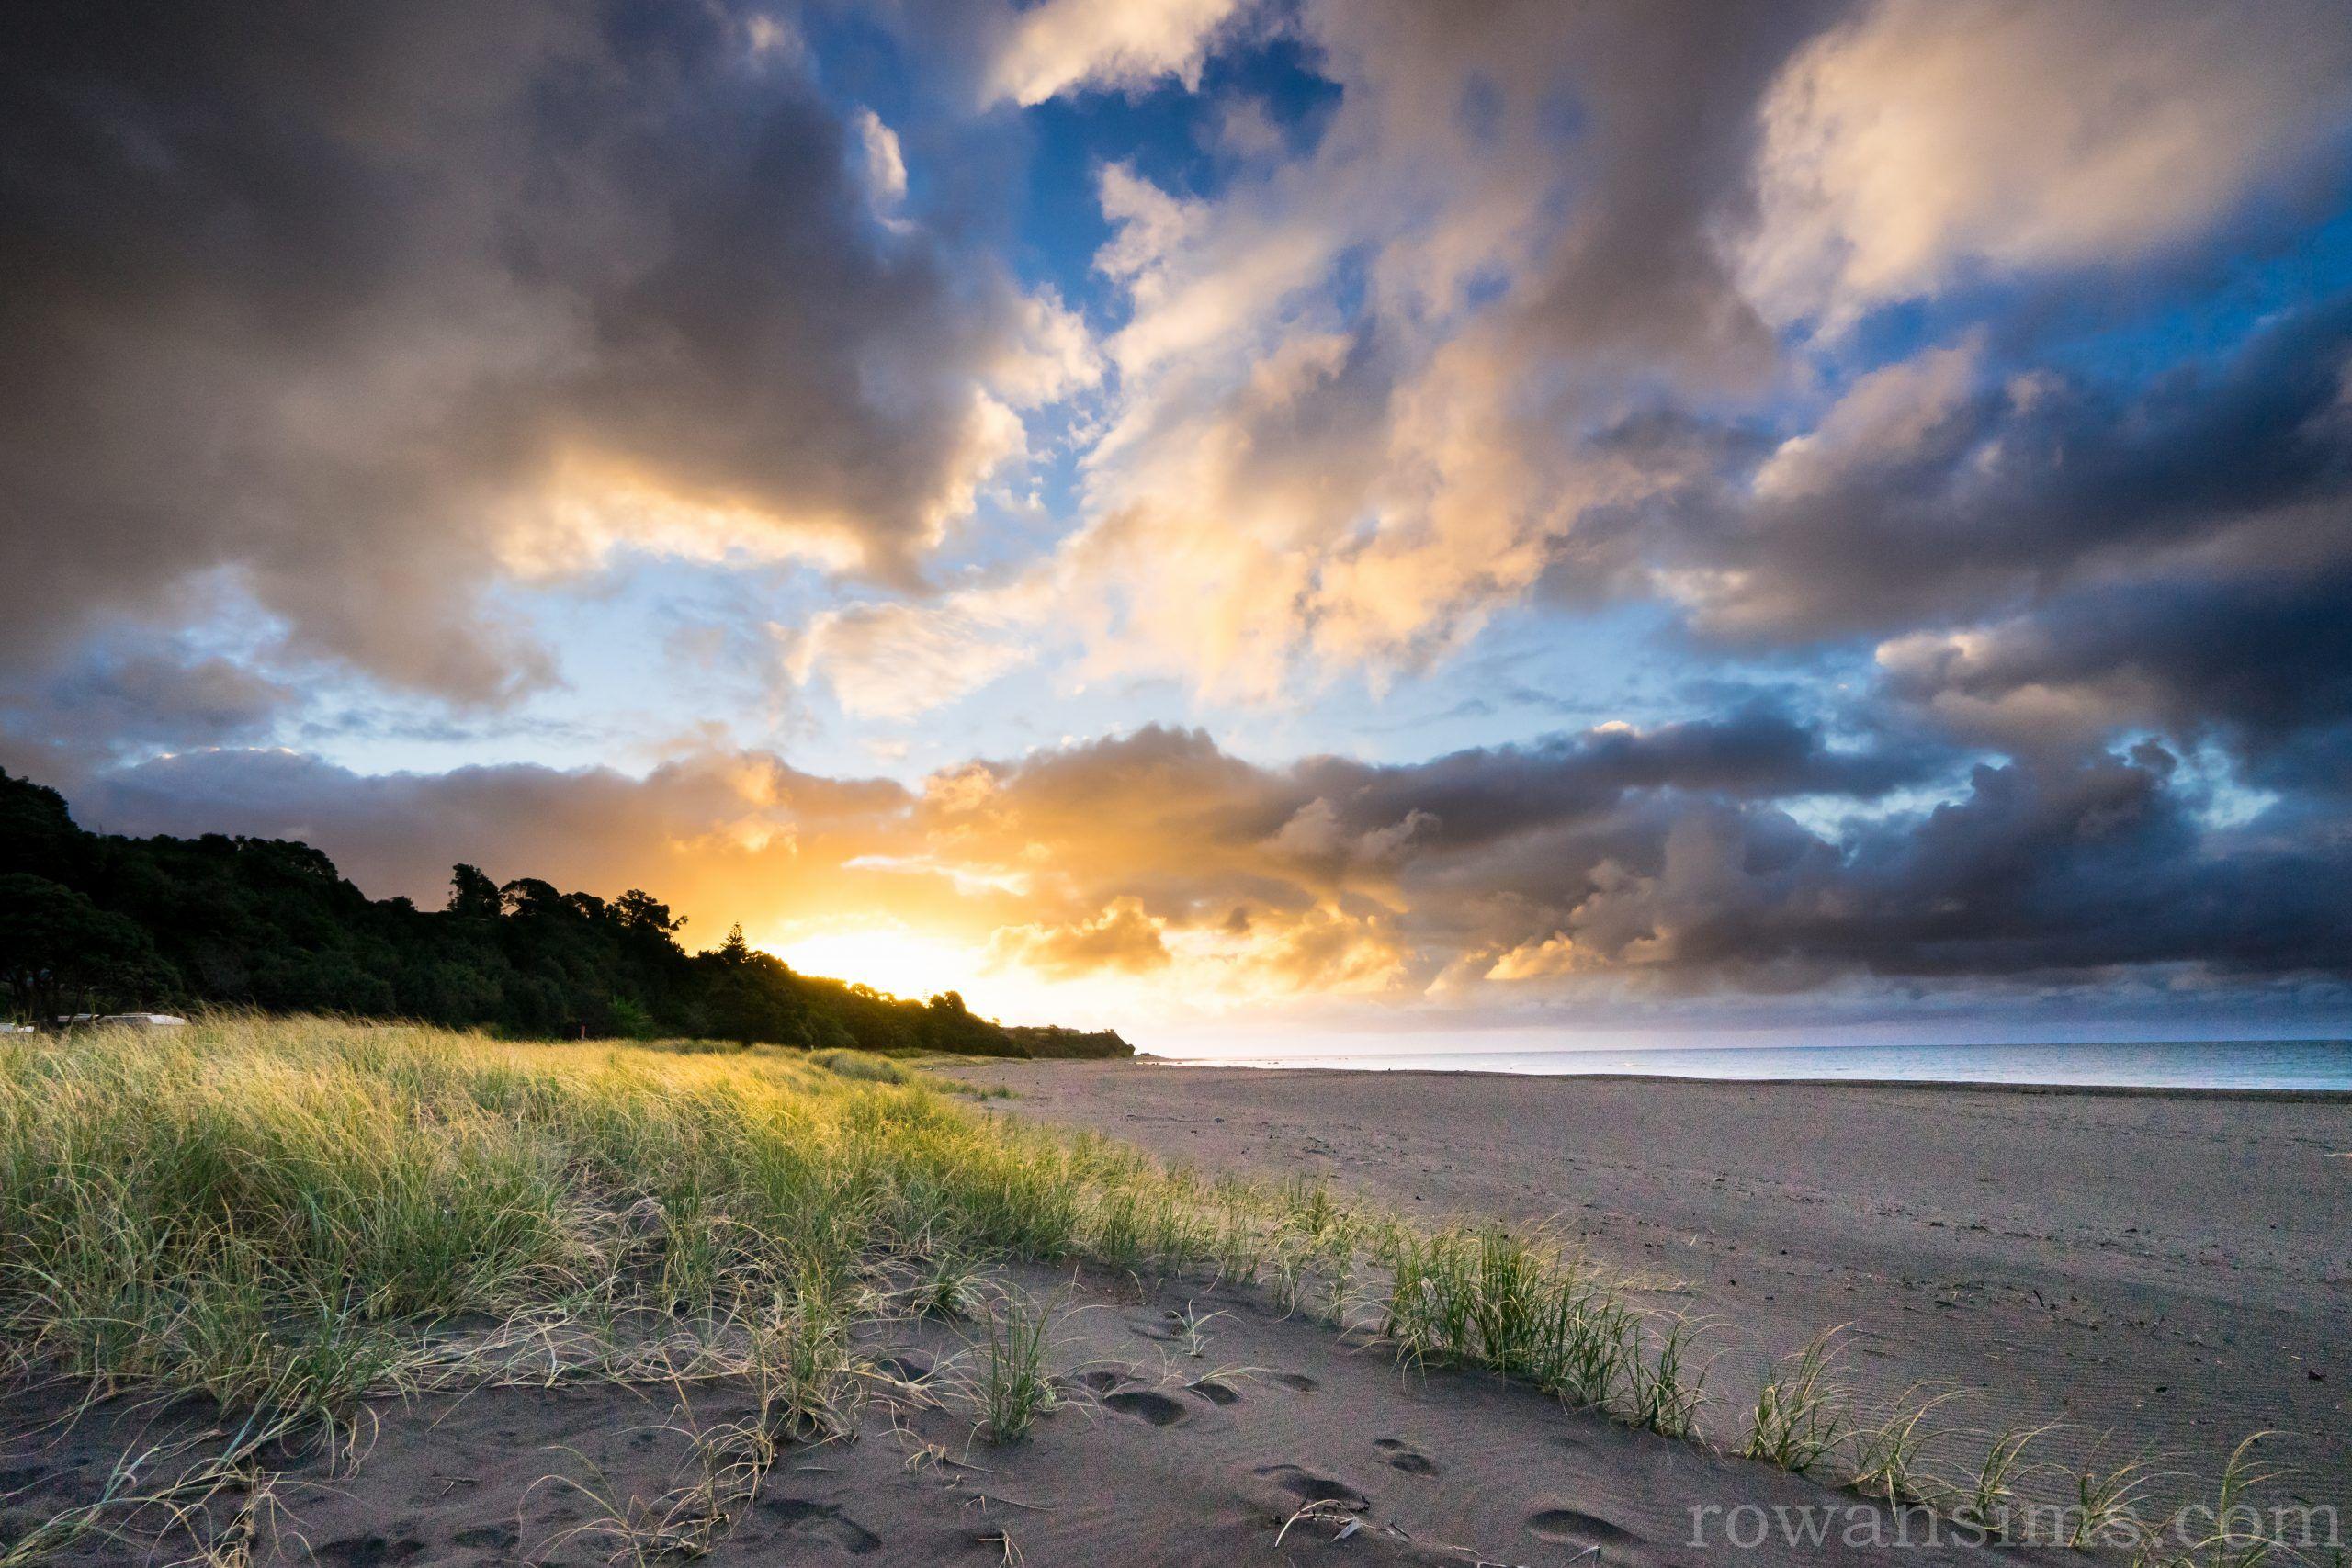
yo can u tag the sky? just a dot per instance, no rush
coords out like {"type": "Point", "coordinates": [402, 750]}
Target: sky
{"type": "Point", "coordinates": [1221, 518]}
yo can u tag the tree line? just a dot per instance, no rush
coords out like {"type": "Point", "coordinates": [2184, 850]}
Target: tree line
{"type": "Point", "coordinates": [96, 922]}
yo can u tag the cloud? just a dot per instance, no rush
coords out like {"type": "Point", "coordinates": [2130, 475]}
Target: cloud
{"type": "Point", "coordinates": [1932, 492]}
{"type": "Point", "coordinates": [121, 699]}
{"type": "Point", "coordinates": [1121, 939]}
{"type": "Point", "coordinates": [893, 660]}
{"type": "Point", "coordinates": [1433, 362]}
{"type": "Point", "coordinates": [359, 313]}
{"type": "Point", "coordinates": [1058, 46]}
{"type": "Point", "coordinates": [1771, 317]}
{"type": "Point", "coordinates": [2259, 660]}
{"type": "Point", "coordinates": [725, 835]}
{"type": "Point", "coordinates": [1887, 424]}
{"type": "Point", "coordinates": [1926, 141]}
{"type": "Point", "coordinates": [1361, 393]}
{"type": "Point", "coordinates": [886, 163]}
{"type": "Point", "coordinates": [525, 295]}
{"type": "Point", "coordinates": [1605, 863]}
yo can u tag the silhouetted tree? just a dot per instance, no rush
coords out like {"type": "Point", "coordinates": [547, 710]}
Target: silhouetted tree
{"type": "Point", "coordinates": [272, 924]}
{"type": "Point", "coordinates": [62, 954]}
{"type": "Point", "coordinates": [639, 911]}
{"type": "Point", "coordinates": [473, 896]}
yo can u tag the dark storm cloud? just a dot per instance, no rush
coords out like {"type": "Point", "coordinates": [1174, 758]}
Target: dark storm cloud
{"type": "Point", "coordinates": [1939, 491]}
{"type": "Point", "coordinates": [331, 298]}
{"type": "Point", "coordinates": [2069, 870]}
{"type": "Point", "coordinates": [2079, 566]}
{"type": "Point", "coordinates": [153, 698]}
{"type": "Point", "coordinates": [120, 700]}
{"type": "Point", "coordinates": [2078, 868]}
{"type": "Point", "coordinates": [1668, 130]}
{"type": "Point", "coordinates": [1671, 853]}
{"type": "Point", "coordinates": [2255, 660]}
{"type": "Point", "coordinates": [1671, 857]}
{"type": "Point", "coordinates": [1493, 794]}
{"type": "Point", "coordinates": [1186, 804]}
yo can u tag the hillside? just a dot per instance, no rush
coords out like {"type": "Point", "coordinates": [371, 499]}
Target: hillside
{"type": "Point", "coordinates": [96, 922]}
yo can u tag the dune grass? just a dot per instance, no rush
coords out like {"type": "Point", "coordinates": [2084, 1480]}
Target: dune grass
{"type": "Point", "coordinates": [1799, 1420]}
{"type": "Point", "coordinates": [296, 1216]}
{"type": "Point", "coordinates": [287, 1212]}
{"type": "Point", "coordinates": [1013, 1383]}
{"type": "Point", "coordinates": [866, 1065]}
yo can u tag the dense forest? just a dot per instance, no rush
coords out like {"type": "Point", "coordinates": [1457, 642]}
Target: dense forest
{"type": "Point", "coordinates": [93, 923]}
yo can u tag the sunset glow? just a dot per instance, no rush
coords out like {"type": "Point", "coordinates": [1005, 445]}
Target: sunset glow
{"type": "Point", "coordinates": [1315, 513]}
{"type": "Point", "coordinates": [903, 961]}
{"type": "Point", "coordinates": [784, 714]}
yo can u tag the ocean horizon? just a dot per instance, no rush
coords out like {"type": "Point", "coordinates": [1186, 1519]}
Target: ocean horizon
{"type": "Point", "coordinates": [2158, 1064]}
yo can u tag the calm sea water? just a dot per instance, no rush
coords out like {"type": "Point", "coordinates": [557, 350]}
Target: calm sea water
{"type": "Point", "coordinates": [2184, 1063]}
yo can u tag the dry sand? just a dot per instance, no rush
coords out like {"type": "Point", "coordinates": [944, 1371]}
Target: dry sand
{"type": "Point", "coordinates": [1159, 1456]}
{"type": "Point", "coordinates": [2173, 1266]}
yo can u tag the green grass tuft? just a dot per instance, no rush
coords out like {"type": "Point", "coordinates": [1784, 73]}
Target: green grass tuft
{"type": "Point", "coordinates": [862, 1064]}
{"type": "Point", "coordinates": [1011, 1388]}
{"type": "Point", "coordinates": [1799, 1418]}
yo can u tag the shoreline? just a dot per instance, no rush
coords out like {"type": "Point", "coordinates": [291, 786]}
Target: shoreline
{"type": "Point", "coordinates": [2164, 1263]}
{"type": "Point", "coordinates": [2186, 1091]}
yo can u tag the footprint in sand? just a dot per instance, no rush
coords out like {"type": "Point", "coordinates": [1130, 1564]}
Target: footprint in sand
{"type": "Point", "coordinates": [494, 1536]}
{"type": "Point", "coordinates": [1402, 1455]}
{"type": "Point", "coordinates": [1146, 1405]}
{"type": "Point", "coordinates": [1215, 1392]}
{"type": "Point", "coordinates": [1573, 1526]}
{"type": "Point", "coordinates": [368, 1551]}
{"type": "Point", "coordinates": [1309, 1487]}
{"type": "Point", "coordinates": [1098, 1381]}
{"type": "Point", "coordinates": [1299, 1382]}
{"type": "Point", "coordinates": [824, 1521]}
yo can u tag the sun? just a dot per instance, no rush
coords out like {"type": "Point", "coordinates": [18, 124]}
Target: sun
{"type": "Point", "coordinates": [910, 961]}
{"type": "Point", "coordinates": [894, 958]}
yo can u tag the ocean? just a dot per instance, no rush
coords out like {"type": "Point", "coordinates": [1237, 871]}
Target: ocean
{"type": "Point", "coordinates": [2159, 1063]}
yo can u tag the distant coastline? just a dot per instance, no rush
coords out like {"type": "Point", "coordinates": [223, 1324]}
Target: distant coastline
{"type": "Point", "coordinates": [2292, 1067]}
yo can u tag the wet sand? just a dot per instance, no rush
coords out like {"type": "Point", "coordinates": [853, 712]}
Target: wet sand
{"type": "Point", "coordinates": [2172, 1267]}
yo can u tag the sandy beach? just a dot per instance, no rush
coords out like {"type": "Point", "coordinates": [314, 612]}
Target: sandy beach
{"type": "Point", "coordinates": [2171, 1267]}
{"type": "Point", "coordinates": [1260, 1440]}
{"type": "Point", "coordinates": [785, 1312]}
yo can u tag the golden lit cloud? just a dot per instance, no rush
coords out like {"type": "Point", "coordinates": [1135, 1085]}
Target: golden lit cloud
{"type": "Point", "coordinates": [893, 660]}
{"type": "Point", "coordinates": [1928, 138]}
{"type": "Point", "coordinates": [1060, 44]}
{"type": "Point", "coordinates": [1123, 939]}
